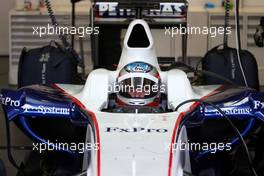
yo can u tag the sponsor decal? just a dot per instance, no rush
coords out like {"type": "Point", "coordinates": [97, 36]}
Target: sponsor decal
{"type": "Point", "coordinates": [112, 9]}
{"type": "Point", "coordinates": [134, 130]}
{"type": "Point", "coordinates": [139, 67]}
{"type": "Point", "coordinates": [46, 110]}
{"type": "Point", "coordinates": [8, 101]}
{"type": "Point", "coordinates": [44, 60]}
{"type": "Point", "coordinates": [230, 111]}
{"type": "Point", "coordinates": [258, 105]}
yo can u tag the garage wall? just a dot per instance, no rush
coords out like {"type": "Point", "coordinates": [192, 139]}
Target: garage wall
{"type": "Point", "coordinates": [4, 10]}
{"type": "Point", "coordinates": [201, 2]}
{"type": "Point", "coordinates": [246, 3]}
{"type": "Point", "coordinates": [7, 5]}
{"type": "Point", "coordinates": [254, 3]}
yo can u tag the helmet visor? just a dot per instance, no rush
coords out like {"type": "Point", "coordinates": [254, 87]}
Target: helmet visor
{"type": "Point", "coordinates": [138, 88]}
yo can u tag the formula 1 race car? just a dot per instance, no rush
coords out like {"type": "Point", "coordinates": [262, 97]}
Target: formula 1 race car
{"type": "Point", "coordinates": [142, 121]}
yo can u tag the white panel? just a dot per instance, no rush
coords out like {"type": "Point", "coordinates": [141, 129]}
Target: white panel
{"type": "Point", "coordinates": [253, 3]}
{"type": "Point", "coordinates": [197, 43]}
{"type": "Point", "coordinates": [20, 3]}
{"type": "Point", "coordinates": [202, 2]}
{"type": "Point", "coordinates": [162, 43]}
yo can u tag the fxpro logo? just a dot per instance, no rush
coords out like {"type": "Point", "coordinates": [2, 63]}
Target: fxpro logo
{"type": "Point", "coordinates": [258, 105]}
{"type": "Point", "coordinates": [134, 130]}
{"type": "Point", "coordinates": [9, 101]}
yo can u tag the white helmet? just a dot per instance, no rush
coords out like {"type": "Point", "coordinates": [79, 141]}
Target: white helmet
{"type": "Point", "coordinates": [139, 84]}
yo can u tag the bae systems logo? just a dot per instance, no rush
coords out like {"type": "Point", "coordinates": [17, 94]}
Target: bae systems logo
{"type": "Point", "coordinates": [230, 111]}
{"type": "Point", "coordinates": [46, 109]}
{"type": "Point", "coordinates": [134, 130]}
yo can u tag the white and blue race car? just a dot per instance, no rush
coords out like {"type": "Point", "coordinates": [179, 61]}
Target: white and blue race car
{"type": "Point", "coordinates": [142, 121]}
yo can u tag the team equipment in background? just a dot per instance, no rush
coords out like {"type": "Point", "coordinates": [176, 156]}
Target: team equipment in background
{"type": "Point", "coordinates": [236, 64]}
{"type": "Point", "coordinates": [67, 46]}
{"type": "Point", "coordinates": [46, 65]}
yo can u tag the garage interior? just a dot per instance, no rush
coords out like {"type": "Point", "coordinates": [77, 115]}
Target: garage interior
{"type": "Point", "coordinates": [16, 33]}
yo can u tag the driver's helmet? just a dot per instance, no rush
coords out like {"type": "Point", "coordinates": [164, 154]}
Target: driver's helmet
{"type": "Point", "coordinates": [139, 84]}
